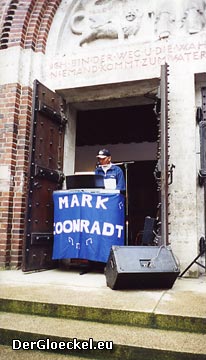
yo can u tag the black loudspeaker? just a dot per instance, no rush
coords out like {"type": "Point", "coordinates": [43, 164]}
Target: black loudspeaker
{"type": "Point", "coordinates": [141, 267]}
{"type": "Point", "coordinates": [148, 231]}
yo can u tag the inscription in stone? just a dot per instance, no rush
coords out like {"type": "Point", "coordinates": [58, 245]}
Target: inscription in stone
{"type": "Point", "coordinates": [125, 59]}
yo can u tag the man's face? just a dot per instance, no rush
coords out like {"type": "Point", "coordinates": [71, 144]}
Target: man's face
{"type": "Point", "coordinates": [104, 161]}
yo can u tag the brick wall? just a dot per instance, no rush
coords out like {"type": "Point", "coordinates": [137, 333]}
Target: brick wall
{"type": "Point", "coordinates": [9, 100]}
{"type": "Point", "coordinates": [25, 24]}
{"type": "Point", "coordinates": [21, 176]}
{"type": "Point", "coordinates": [15, 104]}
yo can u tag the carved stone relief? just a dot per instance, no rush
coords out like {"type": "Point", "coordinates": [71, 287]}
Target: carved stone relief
{"type": "Point", "coordinates": [164, 19]}
{"type": "Point", "coordinates": [111, 19]}
{"type": "Point", "coordinates": [194, 17]}
{"type": "Point", "coordinates": [92, 20]}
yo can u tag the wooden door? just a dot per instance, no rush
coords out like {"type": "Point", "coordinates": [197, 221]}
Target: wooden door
{"type": "Point", "coordinates": [45, 176]}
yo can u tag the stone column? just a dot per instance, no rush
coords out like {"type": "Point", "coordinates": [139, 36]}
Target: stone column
{"type": "Point", "coordinates": [183, 198]}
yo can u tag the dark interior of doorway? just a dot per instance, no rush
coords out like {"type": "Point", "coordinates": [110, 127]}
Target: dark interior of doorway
{"type": "Point", "coordinates": [126, 125]}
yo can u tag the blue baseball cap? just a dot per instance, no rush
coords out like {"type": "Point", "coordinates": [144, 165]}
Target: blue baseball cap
{"type": "Point", "coordinates": [103, 153]}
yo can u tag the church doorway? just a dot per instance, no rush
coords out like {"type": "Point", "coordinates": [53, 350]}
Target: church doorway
{"type": "Point", "coordinates": [134, 127]}
{"type": "Point", "coordinates": [130, 133]}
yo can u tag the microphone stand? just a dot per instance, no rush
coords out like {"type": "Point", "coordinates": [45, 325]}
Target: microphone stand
{"type": "Point", "coordinates": [125, 164]}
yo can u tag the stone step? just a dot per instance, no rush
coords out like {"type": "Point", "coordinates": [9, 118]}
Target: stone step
{"type": "Point", "coordinates": [128, 342]}
{"type": "Point", "coordinates": [6, 353]}
{"type": "Point", "coordinates": [107, 315]}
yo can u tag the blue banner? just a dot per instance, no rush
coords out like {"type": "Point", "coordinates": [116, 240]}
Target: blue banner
{"type": "Point", "coordinates": [87, 224]}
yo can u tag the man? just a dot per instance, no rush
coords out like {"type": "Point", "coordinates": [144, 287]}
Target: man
{"type": "Point", "coordinates": [113, 174]}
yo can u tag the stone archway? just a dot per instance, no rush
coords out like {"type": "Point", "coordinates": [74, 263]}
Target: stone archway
{"type": "Point", "coordinates": [24, 27]}
{"type": "Point", "coordinates": [35, 44]}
